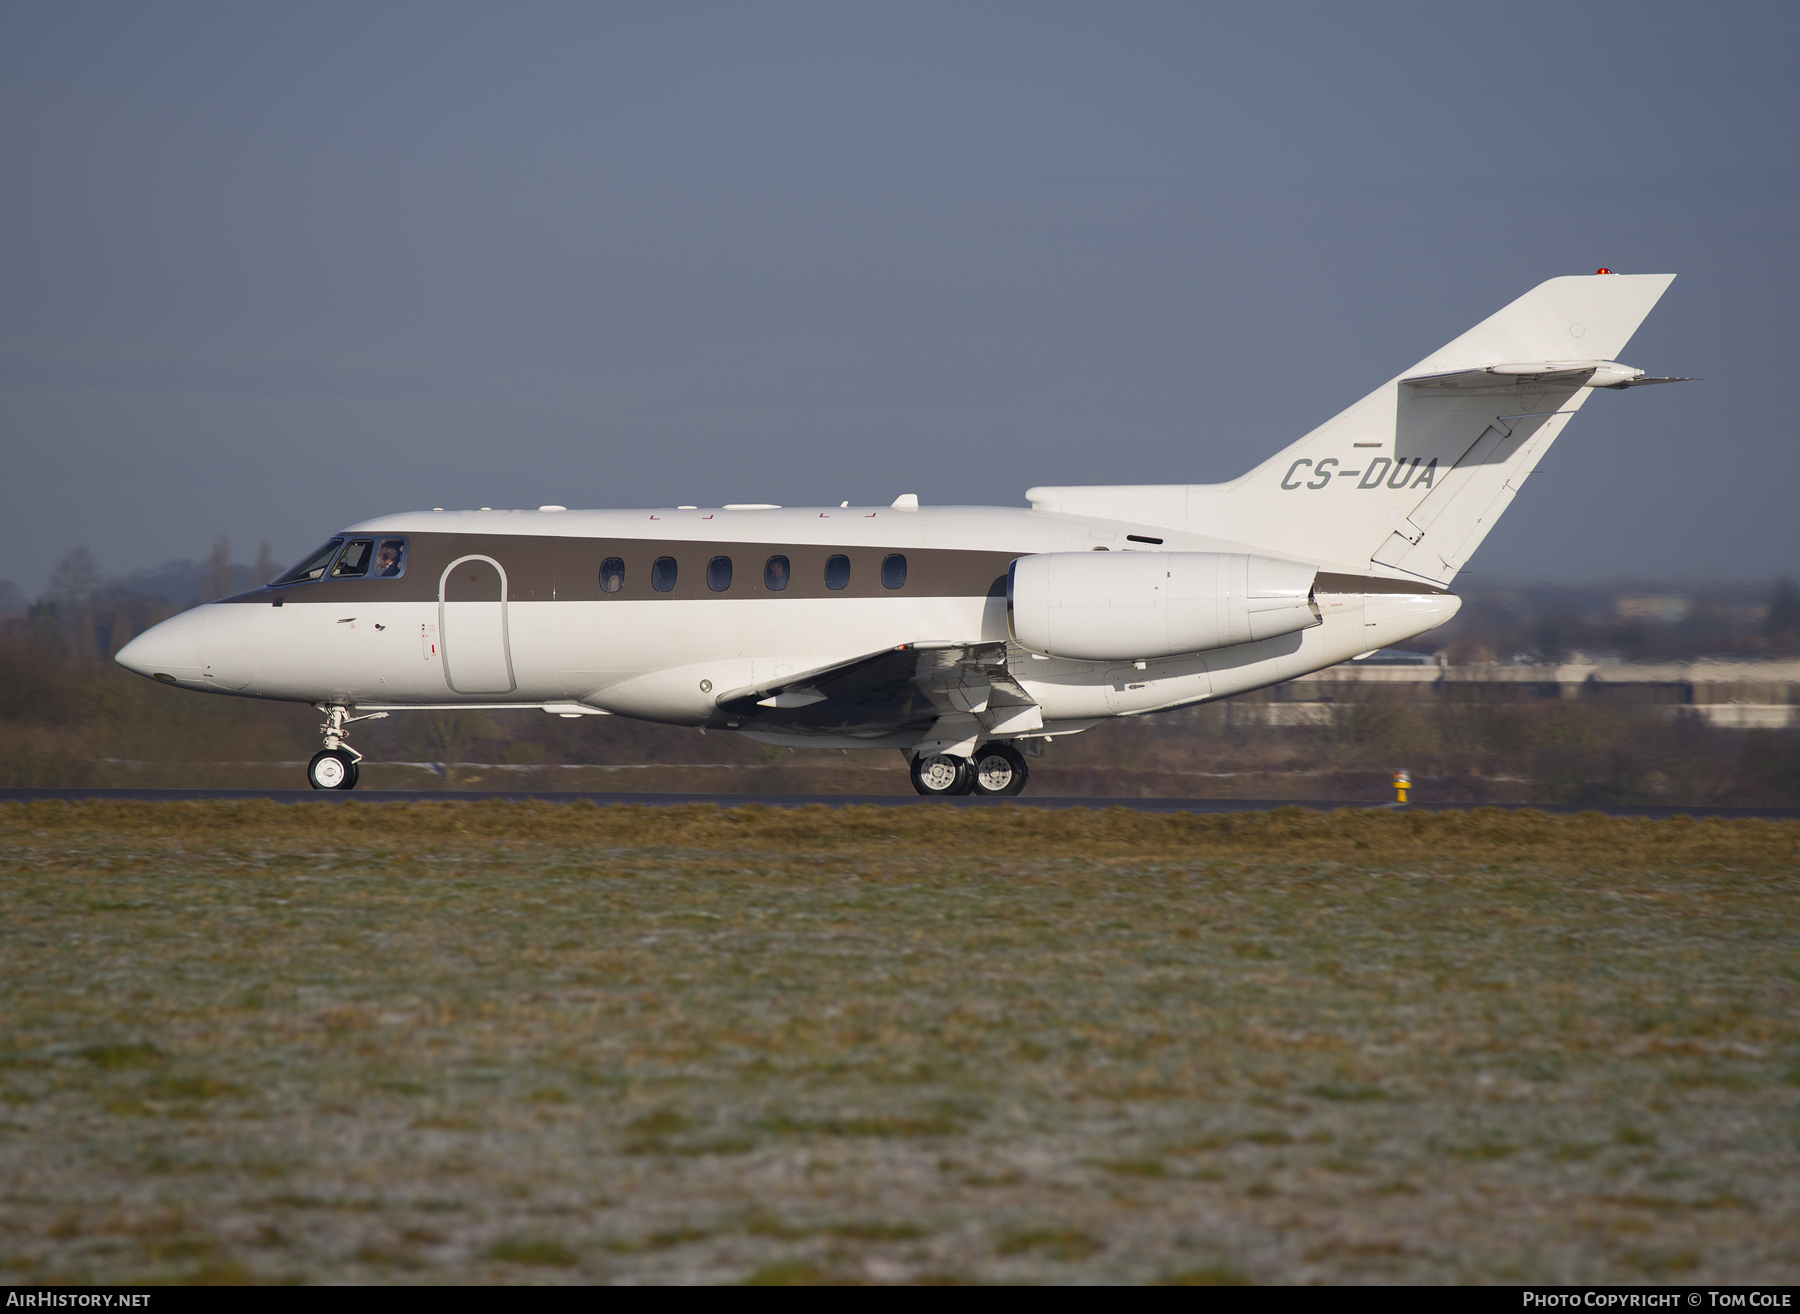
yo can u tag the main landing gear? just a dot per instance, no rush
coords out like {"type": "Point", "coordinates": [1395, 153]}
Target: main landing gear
{"type": "Point", "coordinates": [996, 770]}
{"type": "Point", "coordinates": [337, 765]}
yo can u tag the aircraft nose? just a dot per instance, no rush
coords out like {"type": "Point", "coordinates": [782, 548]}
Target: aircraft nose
{"type": "Point", "coordinates": [169, 652]}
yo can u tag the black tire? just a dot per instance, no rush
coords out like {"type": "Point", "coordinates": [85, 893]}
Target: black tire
{"type": "Point", "coordinates": [332, 768]}
{"type": "Point", "coordinates": [940, 776]}
{"type": "Point", "coordinates": [999, 771]}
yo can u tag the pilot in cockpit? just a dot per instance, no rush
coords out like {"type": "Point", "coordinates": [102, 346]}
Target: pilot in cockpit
{"type": "Point", "coordinates": [390, 559]}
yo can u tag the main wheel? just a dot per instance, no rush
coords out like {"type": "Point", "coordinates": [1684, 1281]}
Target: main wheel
{"type": "Point", "coordinates": [332, 768]}
{"type": "Point", "coordinates": [941, 776]}
{"type": "Point", "coordinates": [999, 769]}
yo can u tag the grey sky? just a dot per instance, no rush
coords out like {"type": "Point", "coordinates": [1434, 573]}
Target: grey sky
{"type": "Point", "coordinates": [270, 270]}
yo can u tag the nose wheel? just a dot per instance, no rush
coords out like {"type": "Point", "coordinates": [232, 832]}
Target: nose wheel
{"type": "Point", "coordinates": [332, 768]}
{"type": "Point", "coordinates": [337, 765]}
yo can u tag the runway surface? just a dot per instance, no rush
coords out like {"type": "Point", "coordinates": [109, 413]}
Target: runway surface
{"type": "Point", "coordinates": [322, 796]}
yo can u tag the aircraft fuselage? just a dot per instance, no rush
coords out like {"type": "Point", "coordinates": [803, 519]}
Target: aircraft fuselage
{"type": "Point", "coordinates": [509, 608]}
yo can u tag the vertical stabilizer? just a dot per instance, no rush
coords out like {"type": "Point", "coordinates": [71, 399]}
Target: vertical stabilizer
{"type": "Point", "coordinates": [1409, 480]}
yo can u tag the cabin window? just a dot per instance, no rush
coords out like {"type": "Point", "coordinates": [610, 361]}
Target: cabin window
{"type": "Point", "coordinates": [662, 574]}
{"type": "Point", "coordinates": [353, 561]}
{"type": "Point", "coordinates": [312, 567]}
{"type": "Point", "coordinates": [718, 574]}
{"type": "Point", "coordinates": [390, 559]}
{"type": "Point", "coordinates": [837, 572]}
{"type": "Point", "coordinates": [893, 571]}
{"type": "Point", "coordinates": [775, 574]}
{"type": "Point", "coordinates": [612, 575]}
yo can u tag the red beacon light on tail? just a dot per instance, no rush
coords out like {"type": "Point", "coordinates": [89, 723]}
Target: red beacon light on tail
{"type": "Point", "coordinates": [1603, 271]}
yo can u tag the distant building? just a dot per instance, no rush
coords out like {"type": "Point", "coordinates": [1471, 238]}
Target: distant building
{"type": "Point", "coordinates": [1665, 608]}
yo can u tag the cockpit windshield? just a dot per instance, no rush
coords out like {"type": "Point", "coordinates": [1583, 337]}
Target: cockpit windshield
{"type": "Point", "coordinates": [360, 558]}
{"type": "Point", "coordinates": [353, 562]}
{"type": "Point", "coordinates": [311, 567]}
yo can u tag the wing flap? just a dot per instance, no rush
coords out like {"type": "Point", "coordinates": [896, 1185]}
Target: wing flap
{"type": "Point", "coordinates": [909, 688]}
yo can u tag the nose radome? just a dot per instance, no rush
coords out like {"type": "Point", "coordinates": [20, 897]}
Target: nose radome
{"type": "Point", "coordinates": [169, 652]}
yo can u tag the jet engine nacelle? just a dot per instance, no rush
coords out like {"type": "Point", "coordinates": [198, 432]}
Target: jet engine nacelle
{"type": "Point", "coordinates": [1126, 606]}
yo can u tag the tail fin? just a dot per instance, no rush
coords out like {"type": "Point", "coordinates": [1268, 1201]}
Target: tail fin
{"type": "Point", "coordinates": [1408, 481]}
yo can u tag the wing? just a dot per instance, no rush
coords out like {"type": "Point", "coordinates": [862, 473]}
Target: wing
{"type": "Point", "coordinates": [931, 692]}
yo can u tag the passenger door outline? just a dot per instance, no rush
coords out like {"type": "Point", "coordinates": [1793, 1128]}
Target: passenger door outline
{"type": "Point", "coordinates": [447, 650]}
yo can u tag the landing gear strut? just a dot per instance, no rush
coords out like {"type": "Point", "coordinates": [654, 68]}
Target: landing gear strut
{"type": "Point", "coordinates": [338, 765]}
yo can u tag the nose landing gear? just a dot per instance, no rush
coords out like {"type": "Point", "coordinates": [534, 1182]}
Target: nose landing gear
{"type": "Point", "coordinates": [337, 765]}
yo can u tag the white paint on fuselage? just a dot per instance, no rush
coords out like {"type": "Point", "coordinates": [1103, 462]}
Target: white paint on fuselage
{"type": "Point", "coordinates": [649, 658]}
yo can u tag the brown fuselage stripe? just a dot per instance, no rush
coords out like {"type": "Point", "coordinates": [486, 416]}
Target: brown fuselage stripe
{"type": "Point", "coordinates": [540, 568]}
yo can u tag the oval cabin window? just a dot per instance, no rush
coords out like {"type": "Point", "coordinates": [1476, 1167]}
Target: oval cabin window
{"type": "Point", "coordinates": [718, 574]}
{"type": "Point", "coordinates": [662, 574]}
{"type": "Point", "coordinates": [837, 572]}
{"type": "Point", "coordinates": [775, 574]}
{"type": "Point", "coordinates": [893, 571]}
{"type": "Point", "coordinates": [612, 575]}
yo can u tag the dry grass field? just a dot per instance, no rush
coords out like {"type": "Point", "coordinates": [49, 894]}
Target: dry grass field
{"type": "Point", "coordinates": [513, 1042]}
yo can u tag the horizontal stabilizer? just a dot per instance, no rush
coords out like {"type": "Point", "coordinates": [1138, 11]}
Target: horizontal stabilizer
{"type": "Point", "coordinates": [1541, 373]}
{"type": "Point", "coordinates": [1644, 379]}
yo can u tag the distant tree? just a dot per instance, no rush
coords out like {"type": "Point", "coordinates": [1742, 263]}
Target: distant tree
{"type": "Point", "coordinates": [76, 577]}
{"type": "Point", "coordinates": [221, 578]}
{"type": "Point", "coordinates": [1784, 610]}
{"type": "Point", "coordinates": [119, 633]}
{"type": "Point", "coordinates": [1550, 640]}
{"type": "Point", "coordinates": [266, 565]}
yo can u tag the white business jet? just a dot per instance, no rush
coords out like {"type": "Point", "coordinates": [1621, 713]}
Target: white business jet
{"type": "Point", "coordinates": [965, 636]}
